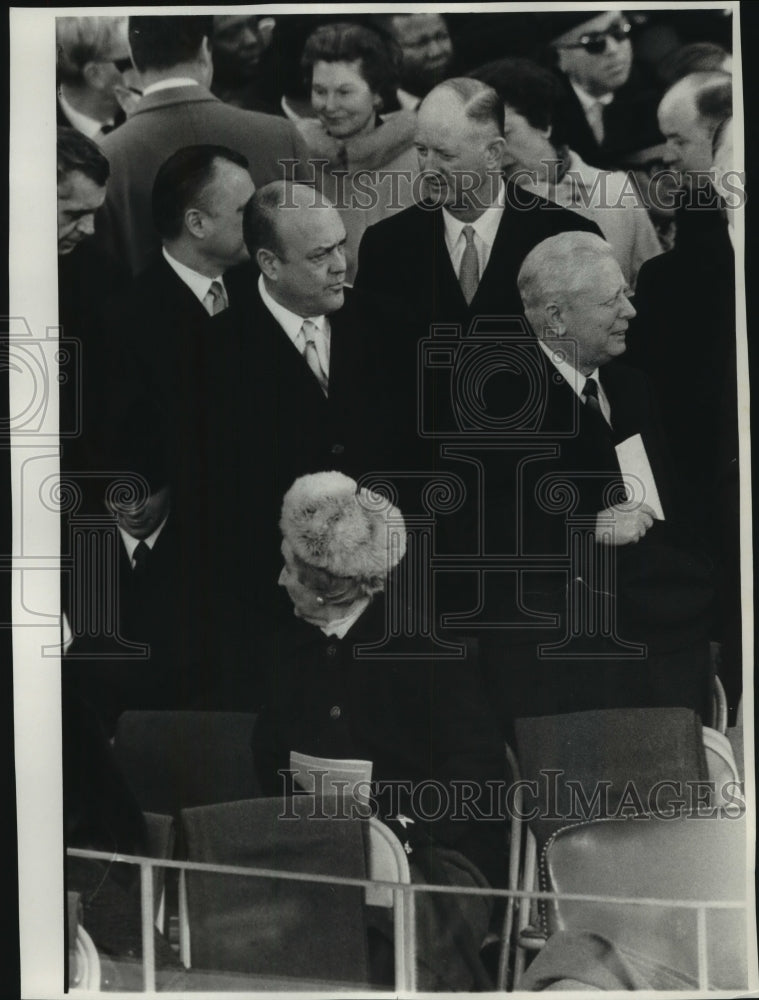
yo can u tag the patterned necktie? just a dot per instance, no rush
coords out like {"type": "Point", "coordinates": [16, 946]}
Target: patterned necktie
{"type": "Point", "coordinates": [310, 353]}
{"type": "Point", "coordinates": [590, 395]}
{"type": "Point", "coordinates": [469, 272]}
{"type": "Point", "coordinates": [140, 557]}
{"type": "Point", "coordinates": [215, 299]}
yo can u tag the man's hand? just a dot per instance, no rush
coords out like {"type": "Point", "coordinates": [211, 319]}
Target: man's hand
{"type": "Point", "coordinates": [619, 526]}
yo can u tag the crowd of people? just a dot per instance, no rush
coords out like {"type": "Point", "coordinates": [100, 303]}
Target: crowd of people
{"type": "Point", "coordinates": [407, 405]}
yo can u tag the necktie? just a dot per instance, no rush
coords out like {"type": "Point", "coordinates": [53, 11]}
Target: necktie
{"type": "Point", "coordinates": [140, 557]}
{"type": "Point", "coordinates": [469, 272]}
{"type": "Point", "coordinates": [310, 353]}
{"type": "Point", "coordinates": [595, 116]}
{"type": "Point", "coordinates": [215, 299]}
{"type": "Point", "coordinates": [590, 395]}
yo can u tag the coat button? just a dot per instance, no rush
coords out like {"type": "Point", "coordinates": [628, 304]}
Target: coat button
{"type": "Point", "coordinates": [331, 650]}
{"type": "Point", "coordinates": [337, 449]}
{"type": "Point", "coordinates": [335, 712]}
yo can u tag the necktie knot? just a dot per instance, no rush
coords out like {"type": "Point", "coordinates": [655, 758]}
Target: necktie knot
{"type": "Point", "coordinates": [469, 272]}
{"type": "Point", "coordinates": [140, 558]}
{"type": "Point", "coordinates": [591, 389]}
{"type": "Point", "coordinates": [215, 299]}
{"type": "Point", "coordinates": [592, 400]}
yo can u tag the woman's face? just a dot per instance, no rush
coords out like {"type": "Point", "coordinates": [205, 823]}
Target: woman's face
{"type": "Point", "coordinates": [342, 99]}
{"type": "Point", "coordinates": [527, 148]}
{"type": "Point", "coordinates": [316, 598]}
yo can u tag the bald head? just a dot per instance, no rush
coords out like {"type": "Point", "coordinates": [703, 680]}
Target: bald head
{"type": "Point", "coordinates": [459, 141]}
{"type": "Point", "coordinates": [576, 298]}
{"type": "Point", "coordinates": [297, 238]}
{"type": "Point", "coordinates": [687, 119]}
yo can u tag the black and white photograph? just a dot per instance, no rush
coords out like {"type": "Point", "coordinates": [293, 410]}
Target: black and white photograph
{"type": "Point", "coordinates": [381, 560]}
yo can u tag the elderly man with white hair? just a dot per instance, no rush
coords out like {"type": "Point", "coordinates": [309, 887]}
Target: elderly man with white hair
{"type": "Point", "coordinates": [339, 691]}
{"type": "Point", "coordinates": [95, 73]}
{"type": "Point", "coordinates": [589, 495]}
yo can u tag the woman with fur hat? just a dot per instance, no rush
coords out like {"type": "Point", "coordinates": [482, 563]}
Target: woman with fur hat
{"type": "Point", "coordinates": [344, 684]}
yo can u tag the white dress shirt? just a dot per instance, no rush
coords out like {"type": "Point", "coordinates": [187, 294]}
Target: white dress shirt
{"type": "Point", "coordinates": [174, 81]}
{"type": "Point", "coordinates": [485, 229]}
{"type": "Point", "coordinates": [592, 106]}
{"type": "Point", "coordinates": [577, 380]}
{"type": "Point", "coordinates": [291, 323]}
{"type": "Point", "coordinates": [131, 543]}
{"type": "Point", "coordinates": [82, 123]}
{"type": "Point", "coordinates": [199, 284]}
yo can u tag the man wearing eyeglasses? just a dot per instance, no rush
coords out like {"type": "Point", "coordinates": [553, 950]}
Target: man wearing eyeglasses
{"type": "Point", "coordinates": [92, 58]}
{"type": "Point", "coordinates": [603, 101]}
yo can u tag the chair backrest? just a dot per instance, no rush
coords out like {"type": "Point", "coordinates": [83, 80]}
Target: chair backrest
{"type": "Point", "coordinates": [387, 863]}
{"type": "Point", "coordinates": [685, 858]}
{"type": "Point", "coordinates": [269, 926]}
{"type": "Point", "coordinates": [178, 760]}
{"type": "Point", "coordinates": [722, 767]}
{"type": "Point", "coordinates": [160, 844]}
{"type": "Point", "coordinates": [626, 757]}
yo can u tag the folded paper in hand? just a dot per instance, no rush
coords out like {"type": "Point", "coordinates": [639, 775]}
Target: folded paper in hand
{"type": "Point", "coordinates": [638, 475]}
{"type": "Point", "coordinates": [328, 776]}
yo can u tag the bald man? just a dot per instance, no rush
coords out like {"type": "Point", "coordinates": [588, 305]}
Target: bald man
{"type": "Point", "coordinates": [455, 254]}
{"type": "Point", "coordinates": [689, 114]}
{"type": "Point", "coordinates": [311, 363]}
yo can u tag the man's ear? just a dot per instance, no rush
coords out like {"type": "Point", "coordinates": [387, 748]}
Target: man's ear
{"type": "Point", "coordinates": [195, 223]}
{"type": "Point", "coordinates": [268, 262]}
{"type": "Point", "coordinates": [495, 150]}
{"type": "Point", "coordinates": [93, 75]}
{"type": "Point", "coordinates": [555, 319]}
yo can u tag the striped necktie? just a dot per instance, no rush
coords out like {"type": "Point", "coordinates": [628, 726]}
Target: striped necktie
{"type": "Point", "coordinates": [469, 272]}
{"type": "Point", "coordinates": [310, 353]}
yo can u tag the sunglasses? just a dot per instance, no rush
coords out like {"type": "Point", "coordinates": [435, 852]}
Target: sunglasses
{"type": "Point", "coordinates": [595, 42]}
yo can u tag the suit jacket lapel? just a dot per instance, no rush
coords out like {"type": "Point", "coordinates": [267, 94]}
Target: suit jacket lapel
{"type": "Point", "coordinates": [283, 368]}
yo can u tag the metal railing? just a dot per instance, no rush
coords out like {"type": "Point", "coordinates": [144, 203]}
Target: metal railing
{"type": "Point", "coordinates": [402, 894]}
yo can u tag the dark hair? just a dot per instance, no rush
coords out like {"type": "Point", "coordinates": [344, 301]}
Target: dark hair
{"type": "Point", "coordinates": [76, 152]}
{"type": "Point", "coordinates": [346, 42]}
{"type": "Point", "coordinates": [698, 57]}
{"type": "Point", "coordinates": [159, 42]}
{"type": "Point", "coordinates": [714, 102]}
{"type": "Point", "coordinates": [259, 220]}
{"type": "Point", "coordinates": [526, 87]}
{"type": "Point", "coordinates": [180, 181]}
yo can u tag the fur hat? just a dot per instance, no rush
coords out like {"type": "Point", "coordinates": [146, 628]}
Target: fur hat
{"type": "Point", "coordinates": [332, 525]}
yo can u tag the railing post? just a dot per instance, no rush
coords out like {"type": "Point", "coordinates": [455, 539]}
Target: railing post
{"type": "Point", "coordinates": [703, 958]}
{"type": "Point", "coordinates": [148, 941]}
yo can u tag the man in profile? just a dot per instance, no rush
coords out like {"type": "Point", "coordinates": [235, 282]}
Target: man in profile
{"type": "Point", "coordinates": [85, 289]}
{"type": "Point", "coordinates": [173, 56]}
{"type": "Point", "coordinates": [613, 598]}
{"type": "Point", "coordinates": [92, 60]}
{"type": "Point", "coordinates": [314, 368]}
